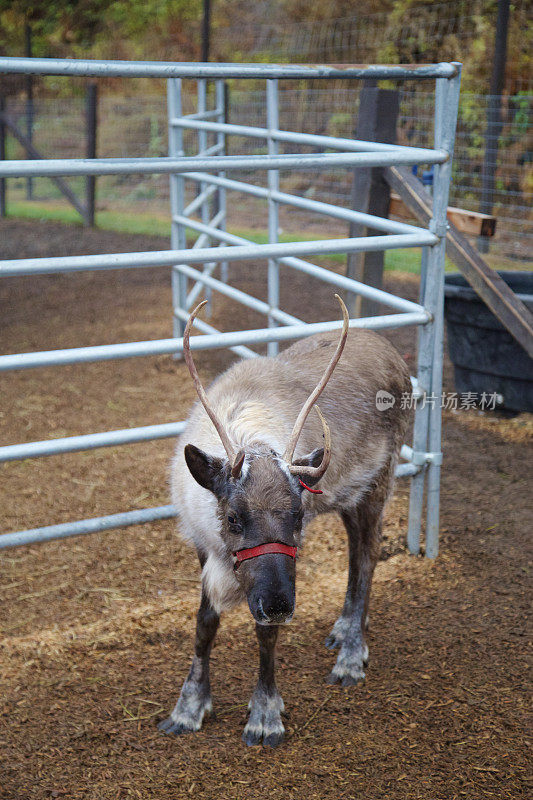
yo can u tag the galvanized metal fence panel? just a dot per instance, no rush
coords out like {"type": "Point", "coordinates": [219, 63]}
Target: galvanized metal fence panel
{"type": "Point", "coordinates": [215, 248]}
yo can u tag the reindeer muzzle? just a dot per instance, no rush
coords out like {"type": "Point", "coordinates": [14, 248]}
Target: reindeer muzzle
{"type": "Point", "coordinates": [263, 549]}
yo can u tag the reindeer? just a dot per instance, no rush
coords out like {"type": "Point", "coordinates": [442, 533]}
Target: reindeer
{"type": "Point", "coordinates": [243, 479]}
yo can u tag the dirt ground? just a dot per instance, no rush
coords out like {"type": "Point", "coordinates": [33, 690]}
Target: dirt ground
{"type": "Point", "coordinates": [98, 630]}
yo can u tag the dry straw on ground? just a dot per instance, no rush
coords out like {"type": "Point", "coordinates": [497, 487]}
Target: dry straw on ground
{"type": "Point", "coordinates": [98, 631]}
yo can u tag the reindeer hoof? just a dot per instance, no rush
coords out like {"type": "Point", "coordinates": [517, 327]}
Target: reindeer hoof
{"type": "Point", "coordinates": [349, 669]}
{"type": "Point", "coordinates": [253, 735]}
{"type": "Point", "coordinates": [177, 728]}
{"type": "Point", "coordinates": [274, 739]}
{"type": "Point", "coordinates": [345, 679]}
{"type": "Point", "coordinates": [189, 711]}
{"type": "Point", "coordinates": [264, 725]}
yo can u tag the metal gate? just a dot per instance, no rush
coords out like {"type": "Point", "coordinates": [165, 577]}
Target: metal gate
{"type": "Point", "coordinates": [215, 248]}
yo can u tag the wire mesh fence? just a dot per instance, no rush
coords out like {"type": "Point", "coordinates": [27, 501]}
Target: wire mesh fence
{"type": "Point", "coordinates": [425, 32]}
{"type": "Point", "coordinates": [138, 127]}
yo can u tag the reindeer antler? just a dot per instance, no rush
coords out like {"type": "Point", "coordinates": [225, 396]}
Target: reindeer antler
{"type": "Point", "coordinates": [317, 472]}
{"type": "Point", "coordinates": [236, 460]}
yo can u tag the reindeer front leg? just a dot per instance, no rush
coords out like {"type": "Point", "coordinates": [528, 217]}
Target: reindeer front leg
{"type": "Point", "coordinates": [266, 706]}
{"type": "Point", "coordinates": [195, 698]}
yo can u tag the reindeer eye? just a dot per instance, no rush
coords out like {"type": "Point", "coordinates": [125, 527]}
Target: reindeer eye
{"type": "Point", "coordinates": [234, 522]}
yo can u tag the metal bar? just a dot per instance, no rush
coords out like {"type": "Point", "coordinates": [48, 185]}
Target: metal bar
{"type": "Point", "coordinates": [83, 526]}
{"type": "Point", "coordinates": [210, 151]}
{"type": "Point", "coordinates": [41, 266]}
{"type": "Point", "coordinates": [206, 229]}
{"type": "Point", "coordinates": [55, 167]}
{"type": "Point", "coordinates": [420, 428]}
{"type": "Point", "coordinates": [208, 268]}
{"type": "Point", "coordinates": [406, 452]}
{"type": "Point", "coordinates": [198, 286]}
{"type": "Point", "coordinates": [177, 203]}
{"type": "Point", "coordinates": [417, 390]}
{"type": "Point", "coordinates": [91, 441]}
{"type": "Point", "coordinates": [273, 210]}
{"type": "Point", "coordinates": [368, 220]}
{"type": "Point", "coordinates": [200, 242]}
{"type": "Point", "coordinates": [211, 114]}
{"type": "Point", "coordinates": [221, 97]}
{"type": "Point", "coordinates": [203, 150]}
{"type": "Point", "coordinates": [406, 470]}
{"type": "Point", "coordinates": [198, 200]}
{"type": "Point", "coordinates": [99, 524]}
{"type": "Point", "coordinates": [202, 139]}
{"type": "Point", "coordinates": [312, 139]}
{"type": "Point", "coordinates": [243, 352]}
{"type": "Point", "coordinates": [240, 297]}
{"type": "Point", "coordinates": [170, 69]}
{"type": "Point", "coordinates": [322, 274]}
{"type": "Point", "coordinates": [446, 108]}
{"type": "Point", "coordinates": [108, 352]}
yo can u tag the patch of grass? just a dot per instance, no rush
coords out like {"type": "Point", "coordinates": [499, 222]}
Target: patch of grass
{"type": "Point", "coordinates": [48, 211]}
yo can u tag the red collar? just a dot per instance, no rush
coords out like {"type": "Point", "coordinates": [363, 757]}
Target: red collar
{"type": "Point", "coordinates": [313, 491]}
{"type": "Point", "coordinates": [261, 549]}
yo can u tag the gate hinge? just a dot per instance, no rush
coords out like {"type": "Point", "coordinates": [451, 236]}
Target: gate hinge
{"type": "Point", "coordinates": [420, 457]}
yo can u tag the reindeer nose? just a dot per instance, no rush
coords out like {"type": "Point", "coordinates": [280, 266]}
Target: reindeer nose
{"type": "Point", "coordinates": [274, 610]}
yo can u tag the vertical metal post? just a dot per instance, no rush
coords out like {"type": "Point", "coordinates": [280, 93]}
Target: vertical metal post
{"type": "Point", "coordinates": [202, 143]}
{"type": "Point", "coordinates": [221, 104]}
{"type": "Point", "coordinates": [420, 431]}
{"type": "Point", "coordinates": [3, 206]}
{"type": "Point", "coordinates": [177, 203]}
{"type": "Point", "coordinates": [91, 102]}
{"type": "Point", "coordinates": [204, 211]}
{"type": "Point", "coordinates": [273, 208]}
{"type": "Point", "coordinates": [446, 108]}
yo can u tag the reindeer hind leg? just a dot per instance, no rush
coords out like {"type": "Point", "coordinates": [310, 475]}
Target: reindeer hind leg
{"type": "Point", "coordinates": [363, 526]}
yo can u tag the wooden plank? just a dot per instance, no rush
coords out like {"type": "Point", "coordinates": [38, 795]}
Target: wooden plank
{"type": "Point", "coordinates": [472, 223]}
{"type": "Point", "coordinates": [33, 153]}
{"type": "Point", "coordinates": [492, 289]}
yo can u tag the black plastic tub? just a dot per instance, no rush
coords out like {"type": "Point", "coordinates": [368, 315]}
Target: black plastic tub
{"type": "Point", "coordinates": [486, 358]}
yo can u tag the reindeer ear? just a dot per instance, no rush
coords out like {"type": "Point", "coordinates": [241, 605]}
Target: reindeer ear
{"type": "Point", "coordinates": [313, 459]}
{"type": "Point", "coordinates": [209, 471]}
